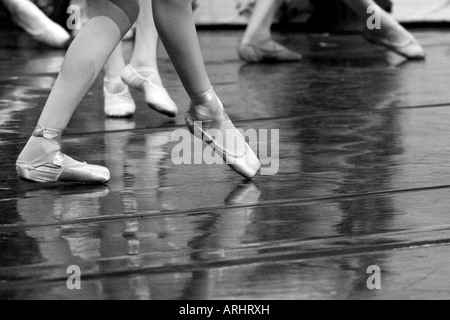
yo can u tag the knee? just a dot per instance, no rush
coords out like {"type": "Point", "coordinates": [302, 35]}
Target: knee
{"type": "Point", "coordinates": [130, 7]}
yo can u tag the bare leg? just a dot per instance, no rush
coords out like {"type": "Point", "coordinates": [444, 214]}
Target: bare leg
{"type": "Point", "coordinates": [257, 44]}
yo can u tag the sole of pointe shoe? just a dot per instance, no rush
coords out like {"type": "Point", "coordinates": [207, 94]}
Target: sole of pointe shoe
{"type": "Point", "coordinates": [247, 165]}
{"type": "Point", "coordinates": [85, 175]}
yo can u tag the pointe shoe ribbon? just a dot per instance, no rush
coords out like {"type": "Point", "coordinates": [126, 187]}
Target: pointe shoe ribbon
{"type": "Point", "coordinates": [206, 124]}
{"type": "Point", "coordinates": [56, 166]}
{"type": "Point", "coordinates": [156, 96]}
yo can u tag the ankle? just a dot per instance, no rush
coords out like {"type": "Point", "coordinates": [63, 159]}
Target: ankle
{"type": "Point", "coordinates": [206, 104]}
{"type": "Point", "coordinates": [114, 84]}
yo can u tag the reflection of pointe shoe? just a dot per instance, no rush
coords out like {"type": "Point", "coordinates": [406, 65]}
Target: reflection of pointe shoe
{"type": "Point", "coordinates": [156, 96]}
{"type": "Point", "coordinates": [26, 15]}
{"type": "Point", "coordinates": [410, 49]}
{"type": "Point", "coordinates": [131, 228]}
{"type": "Point", "coordinates": [244, 194]}
{"type": "Point", "coordinates": [267, 51]}
{"type": "Point", "coordinates": [119, 105]}
{"type": "Point", "coordinates": [202, 120]}
{"type": "Point", "coordinates": [56, 166]}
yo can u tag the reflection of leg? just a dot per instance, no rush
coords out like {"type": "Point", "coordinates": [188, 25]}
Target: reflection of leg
{"type": "Point", "coordinates": [175, 22]}
{"type": "Point", "coordinates": [391, 35]}
{"type": "Point", "coordinates": [232, 224]}
{"type": "Point", "coordinates": [257, 44]}
{"type": "Point", "coordinates": [36, 23]}
{"type": "Point", "coordinates": [42, 157]}
{"type": "Point", "coordinates": [118, 100]}
{"type": "Point", "coordinates": [220, 233]}
{"type": "Point", "coordinates": [142, 73]}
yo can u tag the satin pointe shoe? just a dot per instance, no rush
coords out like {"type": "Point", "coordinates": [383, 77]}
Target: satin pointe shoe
{"type": "Point", "coordinates": [156, 96]}
{"type": "Point", "coordinates": [410, 49]}
{"type": "Point", "coordinates": [203, 120]}
{"type": "Point", "coordinates": [56, 166]}
{"type": "Point", "coordinates": [27, 16]}
{"type": "Point", "coordinates": [267, 51]}
{"type": "Point", "coordinates": [118, 105]}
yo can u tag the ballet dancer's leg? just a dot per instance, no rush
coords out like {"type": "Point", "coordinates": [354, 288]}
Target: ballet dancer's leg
{"type": "Point", "coordinates": [146, 47]}
{"type": "Point", "coordinates": [142, 73]}
{"type": "Point", "coordinates": [175, 22]}
{"type": "Point", "coordinates": [257, 44]}
{"type": "Point", "coordinates": [42, 159]}
{"type": "Point", "coordinates": [31, 19]}
{"type": "Point", "coordinates": [391, 35]}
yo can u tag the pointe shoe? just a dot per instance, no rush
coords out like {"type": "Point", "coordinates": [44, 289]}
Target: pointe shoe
{"type": "Point", "coordinates": [56, 166]}
{"type": "Point", "coordinates": [267, 51]}
{"type": "Point", "coordinates": [156, 96]}
{"type": "Point", "coordinates": [25, 14]}
{"type": "Point", "coordinates": [118, 105]}
{"type": "Point", "coordinates": [410, 49]}
{"type": "Point", "coordinates": [202, 120]}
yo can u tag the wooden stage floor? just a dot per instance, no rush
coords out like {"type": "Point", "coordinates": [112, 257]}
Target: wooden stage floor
{"type": "Point", "coordinates": [364, 181]}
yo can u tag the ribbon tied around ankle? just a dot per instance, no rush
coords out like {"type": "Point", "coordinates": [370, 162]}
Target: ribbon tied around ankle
{"type": "Point", "coordinates": [46, 133]}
